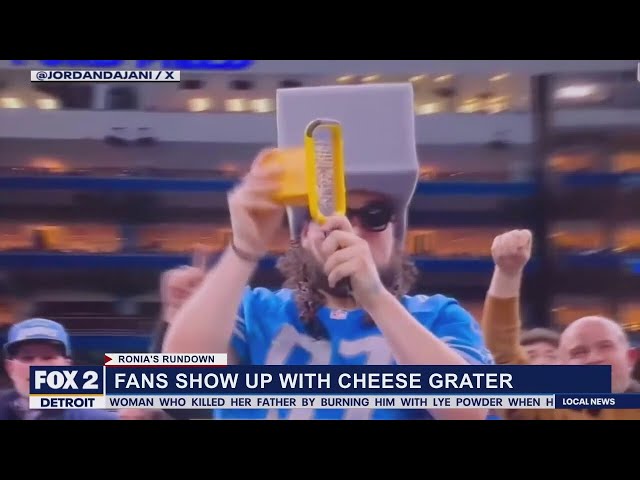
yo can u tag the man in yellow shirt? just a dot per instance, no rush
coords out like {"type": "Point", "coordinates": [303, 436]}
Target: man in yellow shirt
{"type": "Point", "coordinates": [587, 341]}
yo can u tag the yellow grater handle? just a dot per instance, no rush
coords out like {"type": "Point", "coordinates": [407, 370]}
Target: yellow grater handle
{"type": "Point", "coordinates": [339, 186]}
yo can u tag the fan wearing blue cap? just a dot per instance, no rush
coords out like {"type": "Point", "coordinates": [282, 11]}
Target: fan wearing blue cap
{"type": "Point", "coordinates": [39, 342]}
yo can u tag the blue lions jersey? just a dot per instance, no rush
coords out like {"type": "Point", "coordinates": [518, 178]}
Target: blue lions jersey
{"type": "Point", "coordinates": [268, 331]}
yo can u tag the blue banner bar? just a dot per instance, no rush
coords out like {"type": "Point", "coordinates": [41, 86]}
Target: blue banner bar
{"type": "Point", "coordinates": [602, 179]}
{"type": "Point", "coordinates": [196, 65]}
{"type": "Point", "coordinates": [516, 189]}
{"type": "Point", "coordinates": [633, 266]}
{"type": "Point", "coordinates": [591, 260]}
{"type": "Point", "coordinates": [131, 184]}
{"type": "Point", "coordinates": [158, 261]}
{"type": "Point", "coordinates": [145, 184]}
{"type": "Point", "coordinates": [433, 188]}
{"type": "Point", "coordinates": [360, 380]}
{"type": "Point", "coordinates": [591, 179]}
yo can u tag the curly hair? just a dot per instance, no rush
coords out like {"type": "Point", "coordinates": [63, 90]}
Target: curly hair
{"type": "Point", "coordinates": [304, 275]}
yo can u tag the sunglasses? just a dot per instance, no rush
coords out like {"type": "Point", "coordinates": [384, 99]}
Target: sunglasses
{"type": "Point", "coordinates": [374, 216]}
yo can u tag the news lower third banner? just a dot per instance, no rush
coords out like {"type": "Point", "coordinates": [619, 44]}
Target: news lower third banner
{"type": "Point", "coordinates": [205, 381]}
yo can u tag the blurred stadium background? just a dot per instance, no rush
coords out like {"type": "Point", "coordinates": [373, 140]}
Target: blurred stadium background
{"type": "Point", "coordinates": [104, 186]}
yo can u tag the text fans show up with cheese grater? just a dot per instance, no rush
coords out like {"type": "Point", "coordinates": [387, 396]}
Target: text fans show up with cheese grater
{"type": "Point", "coordinates": [314, 175]}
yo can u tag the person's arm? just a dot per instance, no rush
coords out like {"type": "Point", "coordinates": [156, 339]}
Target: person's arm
{"type": "Point", "coordinates": [501, 325]}
{"type": "Point", "coordinates": [206, 321]}
{"type": "Point", "coordinates": [413, 344]}
{"type": "Point", "coordinates": [501, 322]}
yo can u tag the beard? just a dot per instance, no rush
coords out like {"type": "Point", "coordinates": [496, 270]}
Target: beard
{"type": "Point", "coordinates": [302, 270]}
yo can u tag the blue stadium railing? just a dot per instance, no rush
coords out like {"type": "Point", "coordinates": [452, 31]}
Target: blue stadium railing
{"type": "Point", "coordinates": [157, 261]}
{"type": "Point", "coordinates": [52, 260]}
{"type": "Point", "coordinates": [139, 184]}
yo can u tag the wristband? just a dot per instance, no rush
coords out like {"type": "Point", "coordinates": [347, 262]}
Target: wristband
{"type": "Point", "coordinates": [247, 257]}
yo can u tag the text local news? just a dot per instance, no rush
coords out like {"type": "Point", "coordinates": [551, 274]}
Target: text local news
{"type": "Point", "coordinates": [205, 381]}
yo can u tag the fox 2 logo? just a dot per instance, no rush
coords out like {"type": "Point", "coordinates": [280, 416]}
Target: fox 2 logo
{"type": "Point", "coordinates": [66, 379]}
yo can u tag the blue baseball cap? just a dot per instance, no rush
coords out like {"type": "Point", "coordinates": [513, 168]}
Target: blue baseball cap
{"type": "Point", "coordinates": [37, 329]}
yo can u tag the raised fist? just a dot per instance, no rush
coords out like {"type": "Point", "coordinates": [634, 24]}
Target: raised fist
{"type": "Point", "coordinates": [178, 284]}
{"type": "Point", "coordinates": [511, 251]}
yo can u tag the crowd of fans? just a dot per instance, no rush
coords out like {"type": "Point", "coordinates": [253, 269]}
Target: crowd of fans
{"type": "Point", "coordinates": [588, 340]}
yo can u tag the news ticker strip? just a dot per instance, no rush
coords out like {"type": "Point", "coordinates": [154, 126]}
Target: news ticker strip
{"type": "Point", "coordinates": [105, 75]}
{"type": "Point", "coordinates": [336, 402]}
{"type": "Point", "coordinates": [208, 374]}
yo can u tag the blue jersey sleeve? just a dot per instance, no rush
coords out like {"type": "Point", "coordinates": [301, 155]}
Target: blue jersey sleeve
{"type": "Point", "coordinates": [239, 342]}
{"type": "Point", "coordinates": [259, 308]}
{"type": "Point", "coordinates": [456, 326]}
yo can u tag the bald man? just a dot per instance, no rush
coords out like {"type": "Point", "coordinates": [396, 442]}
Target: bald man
{"type": "Point", "coordinates": [601, 341]}
{"type": "Point", "coordinates": [587, 341]}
